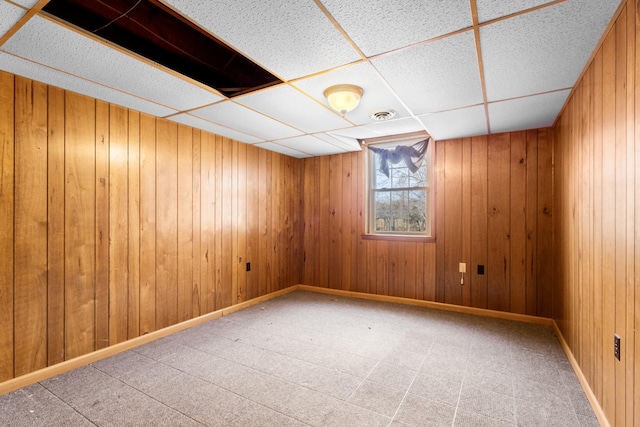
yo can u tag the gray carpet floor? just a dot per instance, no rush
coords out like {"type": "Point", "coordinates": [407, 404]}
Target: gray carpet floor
{"type": "Point", "coordinates": [313, 359]}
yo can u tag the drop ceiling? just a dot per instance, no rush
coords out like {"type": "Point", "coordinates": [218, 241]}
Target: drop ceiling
{"type": "Point", "coordinates": [453, 68]}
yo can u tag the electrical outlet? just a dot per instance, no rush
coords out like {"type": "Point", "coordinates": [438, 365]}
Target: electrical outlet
{"type": "Point", "coordinates": [248, 266]}
{"type": "Point", "coordinates": [480, 270]}
{"type": "Point", "coordinates": [462, 267]}
{"type": "Point", "coordinates": [616, 346]}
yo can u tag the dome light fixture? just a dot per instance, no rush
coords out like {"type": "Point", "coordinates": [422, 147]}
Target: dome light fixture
{"type": "Point", "coordinates": [343, 98]}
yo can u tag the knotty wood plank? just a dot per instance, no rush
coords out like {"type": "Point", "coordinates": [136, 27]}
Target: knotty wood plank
{"type": "Point", "coordinates": [166, 224]}
{"type": "Point", "coordinates": [147, 224]}
{"type": "Point", "coordinates": [545, 224]}
{"type": "Point", "coordinates": [347, 229]}
{"type": "Point", "coordinates": [310, 219]}
{"type": "Point", "coordinates": [498, 201]}
{"type": "Point", "coordinates": [196, 286]}
{"type": "Point", "coordinates": [531, 219]}
{"type": "Point", "coordinates": [30, 244]}
{"type": "Point", "coordinates": [133, 166]}
{"type": "Point", "coordinates": [242, 225]}
{"type": "Point", "coordinates": [382, 267]}
{"type": "Point", "coordinates": [466, 221]}
{"type": "Point", "coordinates": [118, 223]}
{"type": "Point", "coordinates": [396, 271]}
{"type": "Point", "coordinates": [636, 282]}
{"type": "Point", "coordinates": [252, 221]}
{"type": "Point", "coordinates": [518, 224]}
{"type": "Point", "coordinates": [360, 200]}
{"type": "Point", "coordinates": [55, 227]}
{"type": "Point", "coordinates": [409, 269]}
{"type": "Point", "coordinates": [608, 230]}
{"type": "Point", "coordinates": [224, 286]}
{"type": "Point", "coordinates": [80, 225]}
{"type": "Point", "coordinates": [185, 223]}
{"type": "Point", "coordinates": [596, 382]}
{"type": "Point", "coordinates": [208, 216]}
{"type": "Point", "coordinates": [479, 238]}
{"type": "Point", "coordinates": [629, 299]}
{"type": "Point", "coordinates": [264, 220]}
{"type": "Point", "coordinates": [452, 221]}
{"type": "Point", "coordinates": [429, 271]}
{"type": "Point", "coordinates": [324, 237]}
{"type": "Point", "coordinates": [621, 209]}
{"type": "Point", "coordinates": [219, 223]}
{"type": "Point", "coordinates": [336, 213]}
{"type": "Point", "coordinates": [441, 237]}
{"type": "Point", "coordinates": [102, 224]}
{"type": "Point", "coordinates": [7, 158]}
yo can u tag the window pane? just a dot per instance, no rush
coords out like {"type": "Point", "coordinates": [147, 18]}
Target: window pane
{"type": "Point", "coordinates": [400, 211]}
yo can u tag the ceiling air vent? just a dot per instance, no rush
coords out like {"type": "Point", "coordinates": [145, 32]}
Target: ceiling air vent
{"type": "Point", "coordinates": [382, 115]}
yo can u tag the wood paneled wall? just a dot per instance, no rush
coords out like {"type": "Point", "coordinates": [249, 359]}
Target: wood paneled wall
{"type": "Point", "coordinates": [114, 224]}
{"type": "Point", "coordinates": [493, 208]}
{"type": "Point", "coordinates": [597, 199]}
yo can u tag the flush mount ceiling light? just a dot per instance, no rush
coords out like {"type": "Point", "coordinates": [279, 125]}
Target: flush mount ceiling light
{"type": "Point", "coordinates": [343, 98]}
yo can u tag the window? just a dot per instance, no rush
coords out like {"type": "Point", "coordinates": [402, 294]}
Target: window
{"type": "Point", "coordinates": [399, 187]}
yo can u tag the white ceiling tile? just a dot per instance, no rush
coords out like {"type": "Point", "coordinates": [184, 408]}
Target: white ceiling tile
{"type": "Point", "coordinates": [377, 95]}
{"type": "Point", "coordinates": [378, 129]}
{"type": "Point", "coordinates": [436, 76]}
{"type": "Point", "coordinates": [288, 105]}
{"type": "Point", "coordinates": [66, 81]}
{"type": "Point", "coordinates": [46, 42]}
{"type": "Point", "coordinates": [311, 145]}
{"type": "Point", "coordinates": [456, 123]}
{"type": "Point", "coordinates": [349, 144]}
{"type": "Point", "coordinates": [531, 112]}
{"type": "Point", "coordinates": [11, 14]}
{"type": "Point", "coordinates": [543, 50]}
{"type": "Point", "coordinates": [245, 120]}
{"type": "Point", "coordinates": [291, 39]}
{"type": "Point", "coordinates": [196, 122]}
{"type": "Point", "coordinates": [492, 9]}
{"type": "Point", "coordinates": [272, 146]}
{"type": "Point", "coordinates": [26, 3]}
{"type": "Point", "coordinates": [378, 26]}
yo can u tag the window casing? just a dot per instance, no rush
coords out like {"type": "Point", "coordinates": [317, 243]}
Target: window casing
{"type": "Point", "coordinates": [400, 205]}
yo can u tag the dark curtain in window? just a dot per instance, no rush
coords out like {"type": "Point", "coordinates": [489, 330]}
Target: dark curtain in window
{"type": "Point", "coordinates": [412, 155]}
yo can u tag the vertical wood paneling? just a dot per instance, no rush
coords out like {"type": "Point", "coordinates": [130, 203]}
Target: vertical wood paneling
{"type": "Point", "coordinates": [147, 224]}
{"type": "Point", "coordinates": [531, 259]}
{"type": "Point", "coordinates": [452, 220]}
{"type": "Point", "coordinates": [196, 285]}
{"type": "Point", "coordinates": [7, 126]}
{"type": "Point", "coordinates": [479, 171]}
{"type": "Point", "coordinates": [133, 202]}
{"type": "Point", "coordinates": [518, 223]}
{"type": "Point", "coordinates": [466, 221]}
{"type": "Point", "coordinates": [80, 215]}
{"type": "Point", "coordinates": [102, 224]}
{"type": "Point", "coordinates": [498, 225]}
{"type": "Point", "coordinates": [118, 224]}
{"type": "Point", "coordinates": [55, 227]}
{"type": "Point", "coordinates": [428, 270]}
{"type": "Point", "coordinates": [126, 223]}
{"type": "Point", "coordinates": [208, 232]}
{"type": "Point", "coordinates": [253, 209]}
{"type": "Point", "coordinates": [336, 215]}
{"type": "Point", "coordinates": [596, 183]}
{"type": "Point", "coordinates": [30, 245]}
{"type": "Point", "coordinates": [185, 223]}
{"type": "Point", "coordinates": [166, 224]}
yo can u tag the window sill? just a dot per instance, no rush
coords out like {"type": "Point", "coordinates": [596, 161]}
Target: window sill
{"type": "Point", "coordinates": [399, 238]}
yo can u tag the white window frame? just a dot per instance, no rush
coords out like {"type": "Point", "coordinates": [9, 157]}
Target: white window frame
{"type": "Point", "coordinates": [371, 164]}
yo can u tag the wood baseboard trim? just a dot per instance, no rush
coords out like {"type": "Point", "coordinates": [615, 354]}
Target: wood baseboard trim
{"type": "Point", "coordinates": [595, 405]}
{"type": "Point", "coordinates": [430, 304]}
{"type": "Point", "coordinates": [68, 365]}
